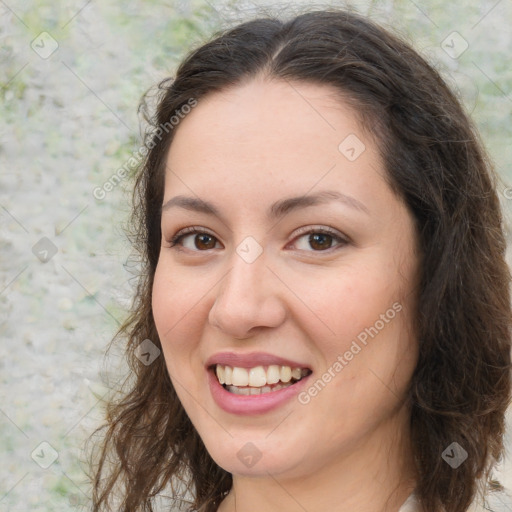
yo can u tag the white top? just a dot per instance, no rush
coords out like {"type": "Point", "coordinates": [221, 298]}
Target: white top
{"type": "Point", "coordinates": [496, 502]}
{"type": "Point", "coordinates": [410, 504]}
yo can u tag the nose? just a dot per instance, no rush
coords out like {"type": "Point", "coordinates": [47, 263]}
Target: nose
{"type": "Point", "coordinates": [247, 299]}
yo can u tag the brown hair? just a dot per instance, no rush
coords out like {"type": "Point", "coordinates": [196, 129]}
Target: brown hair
{"type": "Point", "coordinates": [436, 163]}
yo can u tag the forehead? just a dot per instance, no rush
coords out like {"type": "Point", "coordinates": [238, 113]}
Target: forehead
{"type": "Point", "coordinates": [272, 125]}
{"type": "Point", "coordinates": [269, 108]}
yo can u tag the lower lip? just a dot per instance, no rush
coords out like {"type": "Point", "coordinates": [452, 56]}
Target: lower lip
{"type": "Point", "coordinates": [252, 404]}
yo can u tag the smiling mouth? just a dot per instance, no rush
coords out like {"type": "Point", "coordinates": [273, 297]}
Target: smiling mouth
{"type": "Point", "coordinates": [259, 379]}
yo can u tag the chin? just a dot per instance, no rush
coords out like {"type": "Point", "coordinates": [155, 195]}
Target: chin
{"type": "Point", "coordinates": [252, 455]}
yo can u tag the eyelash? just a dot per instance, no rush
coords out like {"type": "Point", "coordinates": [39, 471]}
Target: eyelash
{"type": "Point", "coordinates": [174, 241]}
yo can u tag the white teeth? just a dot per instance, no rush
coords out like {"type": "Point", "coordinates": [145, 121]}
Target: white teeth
{"type": "Point", "coordinates": [256, 391]}
{"type": "Point", "coordinates": [273, 374]}
{"type": "Point", "coordinates": [220, 373]}
{"type": "Point", "coordinates": [228, 375]}
{"type": "Point", "coordinates": [258, 378]}
{"type": "Point", "coordinates": [286, 374]}
{"type": "Point", "coordinates": [240, 377]}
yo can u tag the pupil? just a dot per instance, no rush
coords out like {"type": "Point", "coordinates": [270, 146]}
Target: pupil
{"type": "Point", "coordinates": [319, 237]}
{"type": "Point", "coordinates": [203, 239]}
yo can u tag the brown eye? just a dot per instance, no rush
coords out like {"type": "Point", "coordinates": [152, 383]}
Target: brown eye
{"type": "Point", "coordinates": [204, 241]}
{"type": "Point", "coordinates": [320, 241]}
{"type": "Point", "coordinates": [193, 239]}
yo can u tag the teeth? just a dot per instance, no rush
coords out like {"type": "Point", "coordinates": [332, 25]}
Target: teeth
{"type": "Point", "coordinates": [286, 373]}
{"type": "Point", "coordinates": [273, 374]}
{"type": "Point", "coordinates": [258, 377]}
{"type": "Point", "coordinates": [256, 391]}
{"type": "Point", "coordinates": [240, 377]}
{"type": "Point", "coordinates": [228, 375]}
{"type": "Point", "coordinates": [221, 374]}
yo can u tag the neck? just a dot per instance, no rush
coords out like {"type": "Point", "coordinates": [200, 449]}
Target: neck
{"type": "Point", "coordinates": [376, 475]}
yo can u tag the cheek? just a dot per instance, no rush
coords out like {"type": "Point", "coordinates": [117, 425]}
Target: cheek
{"type": "Point", "coordinates": [348, 301]}
{"type": "Point", "coordinates": [175, 310]}
{"type": "Point", "coordinates": [175, 297]}
{"type": "Point", "coordinates": [361, 326]}
{"type": "Point", "coordinates": [368, 361]}
{"type": "Point", "coordinates": [164, 303]}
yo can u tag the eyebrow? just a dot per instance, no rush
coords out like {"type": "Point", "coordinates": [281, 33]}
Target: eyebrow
{"type": "Point", "coordinates": [276, 210]}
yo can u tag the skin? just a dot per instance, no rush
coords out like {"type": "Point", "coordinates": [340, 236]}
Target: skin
{"type": "Point", "coordinates": [242, 149]}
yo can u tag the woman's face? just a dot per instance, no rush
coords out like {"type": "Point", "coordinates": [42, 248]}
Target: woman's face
{"type": "Point", "coordinates": [303, 258]}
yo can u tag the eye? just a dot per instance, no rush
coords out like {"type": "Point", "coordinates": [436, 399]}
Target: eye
{"type": "Point", "coordinates": [320, 239]}
{"type": "Point", "coordinates": [201, 240]}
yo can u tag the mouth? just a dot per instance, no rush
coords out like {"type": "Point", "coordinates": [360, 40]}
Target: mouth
{"type": "Point", "coordinates": [258, 380]}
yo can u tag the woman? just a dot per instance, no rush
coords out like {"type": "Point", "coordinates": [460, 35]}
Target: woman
{"type": "Point", "coordinates": [324, 277]}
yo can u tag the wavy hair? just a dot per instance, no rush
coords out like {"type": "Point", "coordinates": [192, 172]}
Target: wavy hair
{"type": "Point", "coordinates": [436, 164]}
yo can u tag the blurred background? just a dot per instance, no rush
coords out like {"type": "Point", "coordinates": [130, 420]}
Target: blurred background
{"type": "Point", "coordinates": [71, 77]}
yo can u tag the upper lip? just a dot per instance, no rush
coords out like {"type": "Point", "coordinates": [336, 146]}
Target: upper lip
{"type": "Point", "coordinates": [250, 360]}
